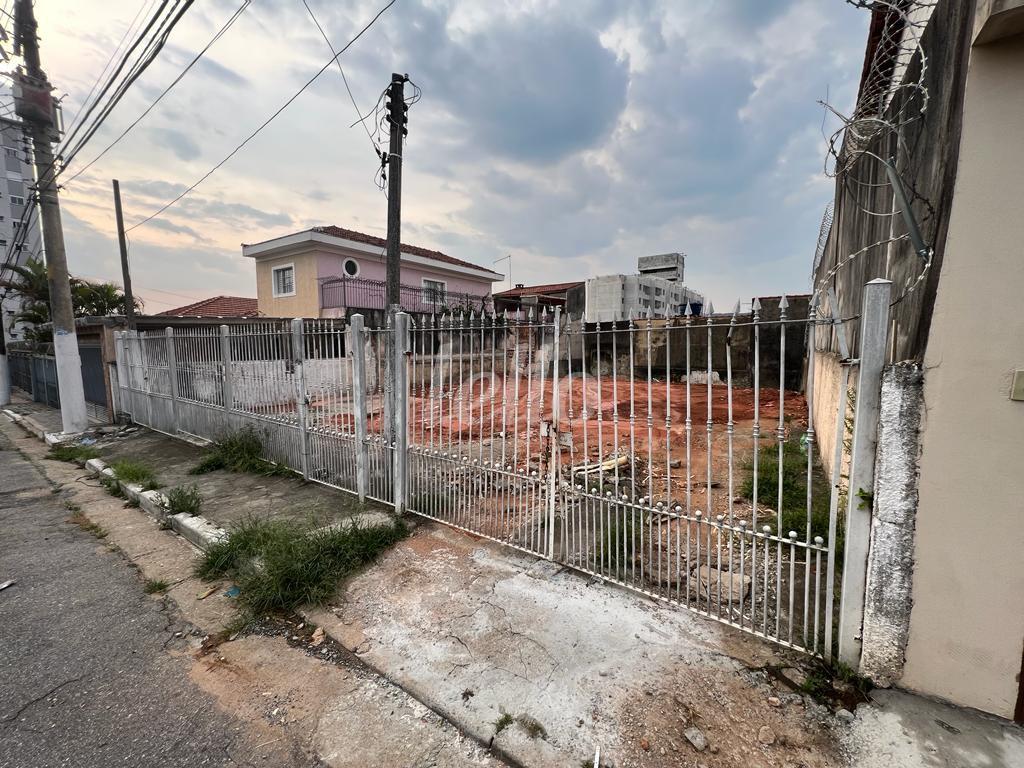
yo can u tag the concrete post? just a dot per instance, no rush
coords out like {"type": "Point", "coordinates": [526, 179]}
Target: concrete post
{"type": "Point", "coordinates": [225, 358]}
{"type": "Point", "coordinates": [357, 349]}
{"type": "Point", "coordinates": [302, 404]}
{"type": "Point", "coordinates": [874, 331]}
{"type": "Point", "coordinates": [172, 375]}
{"type": "Point", "coordinates": [401, 405]}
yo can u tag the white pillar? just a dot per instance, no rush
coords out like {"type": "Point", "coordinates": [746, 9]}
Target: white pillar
{"type": "Point", "coordinates": [401, 405]}
{"type": "Point", "coordinates": [874, 331]}
{"type": "Point", "coordinates": [357, 349]}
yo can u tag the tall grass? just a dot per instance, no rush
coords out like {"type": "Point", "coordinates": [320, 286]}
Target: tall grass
{"type": "Point", "coordinates": [282, 564]}
{"type": "Point", "coordinates": [135, 473]}
{"type": "Point", "coordinates": [240, 451]}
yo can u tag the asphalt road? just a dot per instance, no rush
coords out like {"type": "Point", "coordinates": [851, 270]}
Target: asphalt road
{"type": "Point", "coordinates": [86, 676]}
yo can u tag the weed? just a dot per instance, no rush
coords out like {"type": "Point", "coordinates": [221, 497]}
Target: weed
{"type": "Point", "coordinates": [76, 454]}
{"type": "Point", "coordinates": [503, 722]}
{"type": "Point", "coordinates": [87, 525]}
{"type": "Point", "coordinates": [794, 489]}
{"type": "Point", "coordinates": [532, 727]}
{"type": "Point", "coordinates": [185, 499]}
{"type": "Point", "coordinates": [240, 451]}
{"type": "Point", "coordinates": [282, 564]}
{"type": "Point", "coordinates": [468, 694]}
{"type": "Point", "coordinates": [153, 586]}
{"type": "Point", "coordinates": [113, 487]}
{"type": "Point", "coordinates": [135, 473]}
{"type": "Point", "coordinates": [242, 621]}
{"type": "Point", "coordinates": [70, 506]}
{"type": "Point", "coordinates": [617, 549]}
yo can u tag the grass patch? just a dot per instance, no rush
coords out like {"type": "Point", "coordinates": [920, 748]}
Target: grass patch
{"type": "Point", "coordinates": [87, 525]}
{"type": "Point", "coordinates": [503, 722]}
{"type": "Point", "coordinates": [154, 586]}
{"type": "Point", "coordinates": [794, 489]}
{"type": "Point", "coordinates": [113, 487]}
{"type": "Point", "coordinates": [135, 473]}
{"type": "Point", "coordinates": [532, 727]}
{"type": "Point", "coordinates": [240, 451]}
{"type": "Point", "coordinates": [282, 564]}
{"type": "Point", "coordinates": [76, 454]}
{"type": "Point", "coordinates": [185, 499]}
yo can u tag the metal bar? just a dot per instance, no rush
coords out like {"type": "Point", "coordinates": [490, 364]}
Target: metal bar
{"type": "Point", "coordinates": [400, 397]}
{"type": "Point", "coordinates": [225, 356]}
{"type": "Point", "coordinates": [553, 432]}
{"type": "Point", "coordinates": [301, 400]}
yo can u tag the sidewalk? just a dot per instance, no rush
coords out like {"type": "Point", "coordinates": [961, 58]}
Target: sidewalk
{"type": "Point", "coordinates": [551, 665]}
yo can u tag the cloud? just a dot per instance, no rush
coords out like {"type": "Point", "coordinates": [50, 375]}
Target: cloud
{"type": "Point", "coordinates": [182, 145]}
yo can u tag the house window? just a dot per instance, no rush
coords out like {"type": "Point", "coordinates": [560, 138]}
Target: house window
{"type": "Point", "coordinates": [17, 200]}
{"type": "Point", "coordinates": [434, 291]}
{"type": "Point", "coordinates": [351, 267]}
{"type": "Point", "coordinates": [284, 280]}
{"type": "Point", "coordinates": [11, 152]}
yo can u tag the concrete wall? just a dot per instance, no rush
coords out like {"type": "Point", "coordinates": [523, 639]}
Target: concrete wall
{"type": "Point", "coordinates": [827, 399]}
{"type": "Point", "coordinates": [967, 623]}
{"type": "Point", "coordinates": [305, 302]}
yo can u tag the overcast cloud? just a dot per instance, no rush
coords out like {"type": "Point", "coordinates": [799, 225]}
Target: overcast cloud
{"type": "Point", "coordinates": [576, 136]}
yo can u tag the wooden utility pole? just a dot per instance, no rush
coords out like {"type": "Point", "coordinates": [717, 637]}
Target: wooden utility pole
{"type": "Point", "coordinates": [398, 120]}
{"type": "Point", "coordinates": [34, 104]}
{"type": "Point", "coordinates": [126, 276]}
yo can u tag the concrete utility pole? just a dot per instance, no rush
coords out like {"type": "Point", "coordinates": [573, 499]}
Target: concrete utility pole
{"type": "Point", "coordinates": [126, 276]}
{"type": "Point", "coordinates": [398, 119]}
{"type": "Point", "coordinates": [34, 104]}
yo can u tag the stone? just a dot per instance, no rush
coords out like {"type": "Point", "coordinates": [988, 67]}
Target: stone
{"type": "Point", "coordinates": [645, 745]}
{"type": "Point", "coordinates": [696, 737]}
{"type": "Point", "coordinates": [710, 578]}
{"type": "Point", "coordinates": [774, 701]}
{"type": "Point", "coordinates": [766, 735]}
{"type": "Point", "coordinates": [845, 716]}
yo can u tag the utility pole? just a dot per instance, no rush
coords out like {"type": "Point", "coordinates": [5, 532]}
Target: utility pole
{"type": "Point", "coordinates": [34, 104]}
{"type": "Point", "coordinates": [126, 276]}
{"type": "Point", "coordinates": [398, 120]}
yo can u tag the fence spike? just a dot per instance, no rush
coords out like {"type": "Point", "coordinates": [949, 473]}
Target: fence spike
{"type": "Point", "coordinates": [709, 309]}
{"type": "Point", "coordinates": [783, 304]}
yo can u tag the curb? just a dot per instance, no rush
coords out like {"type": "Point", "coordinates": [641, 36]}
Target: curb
{"type": "Point", "coordinates": [196, 529]}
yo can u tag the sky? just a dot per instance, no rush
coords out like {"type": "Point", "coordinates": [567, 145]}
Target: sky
{"type": "Point", "coordinates": [575, 136]}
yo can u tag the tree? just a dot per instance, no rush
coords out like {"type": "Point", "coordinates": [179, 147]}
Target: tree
{"type": "Point", "coordinates": [31, 282]}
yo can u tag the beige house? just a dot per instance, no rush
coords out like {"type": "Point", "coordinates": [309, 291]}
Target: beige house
{"type": "Point", "coordinates": [945, 606]}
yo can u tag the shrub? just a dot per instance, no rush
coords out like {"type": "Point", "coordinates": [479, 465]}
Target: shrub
{"type": "Point", "coordinates": [184, 499]}
{"type": "Point", "coordinates": [153, 586]}
{"type": "Point", "coordinates": [282, 564]}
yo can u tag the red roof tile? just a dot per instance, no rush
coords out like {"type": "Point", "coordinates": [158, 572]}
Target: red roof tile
{"type": "Point", "coordinates": [380, 242]}
{"type": "Point", "coordinates": [537, 290]}
{"type": "Point", "coordinates": [217, 306]}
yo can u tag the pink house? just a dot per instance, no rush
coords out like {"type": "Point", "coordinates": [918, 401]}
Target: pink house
{"type": "Point", "coordinates": [333, 272]}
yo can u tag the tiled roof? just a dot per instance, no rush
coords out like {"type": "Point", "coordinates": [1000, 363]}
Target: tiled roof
{"type": "Point", "coordinates": [380, 242]}
{"type": "Point", "coordinates": [537, 290]}
{"type": "Point", "coordinates": [217, 306]}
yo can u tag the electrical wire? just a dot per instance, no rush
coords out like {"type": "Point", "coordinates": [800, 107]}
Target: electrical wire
{"type": "Point", "coordinates": [265, 123]}
{"type": "Point", "coordinates": [227, 25]}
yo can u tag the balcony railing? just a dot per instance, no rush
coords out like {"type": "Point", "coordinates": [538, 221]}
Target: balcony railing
{"type": "Point", "coordinates": [358, 293]}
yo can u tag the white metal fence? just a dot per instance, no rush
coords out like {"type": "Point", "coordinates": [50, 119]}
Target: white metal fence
{"type": "Point", "coordinates": [638, 451]}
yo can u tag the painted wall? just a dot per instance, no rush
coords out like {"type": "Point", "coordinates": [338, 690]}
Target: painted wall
{"type": "Point", "coordinates": [967, 623]}
{"type": "Point", "coordinates": [305, 302]}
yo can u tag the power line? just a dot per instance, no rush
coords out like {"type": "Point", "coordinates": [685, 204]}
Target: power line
{"type": "Point", "coordinates": [268, 121]}
{"type": "Point", "coordinates": [227, 25]}
{"type": "Point", "coordinates": [341, 71]}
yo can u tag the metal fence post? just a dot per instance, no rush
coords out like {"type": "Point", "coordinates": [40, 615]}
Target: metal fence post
{"type": "Point", "coordinates": [553, 433]}
{"type": "Point", "coordinates": [172, 374]}
{"type": "Point", "coordinates": [400, 398]}
{"type": "Point", "coordinates": [225, 357]}
{"type": "Point", "coordinates": [357, 349]}
{"type": "Point", "coordinates": [298, 358]}
{"type": "Point", "coordinates": [874, 327]}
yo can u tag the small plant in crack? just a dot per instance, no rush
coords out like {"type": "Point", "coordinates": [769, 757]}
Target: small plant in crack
{"type": "Point", "coordinates": [531, 726]}
{"type": "Point", "coordinates": [87, 525]}
{"type": "Point", "coordinates": [468, 694]}
{"type": "Point", "coordinates": [155, 586]}
{"type": "Point", "coordinates": [135, 473]}
{"type": "Point", "coordinates": [503, 722]}
{"type": "Point", "coordinates": [75, 454]}
{"type": "Point", "coordinates": [184, 499]}
{"type": "Point", "coordinates": [113, 487]}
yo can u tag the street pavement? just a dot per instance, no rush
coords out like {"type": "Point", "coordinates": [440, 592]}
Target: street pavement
{"type": "Point", "coordinates": [91, 672]}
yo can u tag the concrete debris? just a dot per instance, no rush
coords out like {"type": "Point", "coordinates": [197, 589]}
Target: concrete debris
{"type": "Point", "coordinates": [318, 637]}
{"type": "Point", "coordinates": [845, 716]}
{"type": "Point", "coordinates": [774, 701]}
{"type": "Point", "coordinates": [696, 737]}
{"type": "Point", "coordinates": [766, 735]}
{"type": "Point", "coordinates": [723, 584]}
